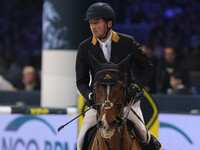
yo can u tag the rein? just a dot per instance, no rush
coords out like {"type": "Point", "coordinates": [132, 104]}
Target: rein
{"type": "Point", "coordinates": [118, 121]}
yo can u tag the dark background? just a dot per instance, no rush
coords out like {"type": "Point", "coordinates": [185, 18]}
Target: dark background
{"type": "Point", "coordinates": [158, 23]}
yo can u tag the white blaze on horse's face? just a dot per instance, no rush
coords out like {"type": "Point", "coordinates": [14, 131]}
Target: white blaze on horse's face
{"type": "Point", "coordinates": [108, 91]}
{"type": "Point", "coordinates": [107, 132]}
{"type": "Point", "coordinates": [105, 123]}
{"type": "Point", "coordinates": [107, 104]}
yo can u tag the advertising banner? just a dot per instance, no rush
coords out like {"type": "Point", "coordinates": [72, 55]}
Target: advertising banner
{"type": "Point", "coordinates": [37, 132]}
{"type": "Point", "coordinates": [179, 131]}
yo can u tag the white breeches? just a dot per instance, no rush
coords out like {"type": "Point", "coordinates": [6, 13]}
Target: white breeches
{"type": "Point", "coordinates": [90, 120]}
{"type": "Point", "coordinates": [139, 126]}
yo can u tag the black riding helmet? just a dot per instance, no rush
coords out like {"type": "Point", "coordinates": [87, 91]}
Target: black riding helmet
{"type": "Point", "coordinates": [100, 10]}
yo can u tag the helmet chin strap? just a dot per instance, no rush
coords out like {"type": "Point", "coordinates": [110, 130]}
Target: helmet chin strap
{"type": "Point", "coordinates": [108, 29]}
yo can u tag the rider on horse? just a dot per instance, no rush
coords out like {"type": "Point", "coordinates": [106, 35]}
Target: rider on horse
{"type": "Point", "coordinates": [108, 46]}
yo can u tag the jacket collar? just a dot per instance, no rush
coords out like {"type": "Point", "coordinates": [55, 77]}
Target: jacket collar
{"type": "Point", "coordinates": [115, 38]}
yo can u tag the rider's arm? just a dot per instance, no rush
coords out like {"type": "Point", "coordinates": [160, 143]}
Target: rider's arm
{"type": "Point", "coordinates": [144, 65]}
{"type": "Point", "coordinates": [82, 74]}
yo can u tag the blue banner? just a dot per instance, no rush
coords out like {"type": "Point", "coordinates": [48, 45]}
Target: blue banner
{"type": "Point", "coordinates": [37, 132]}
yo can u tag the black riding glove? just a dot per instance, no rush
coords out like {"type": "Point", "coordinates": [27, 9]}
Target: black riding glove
{"type": "Point", "coordinates": [91, 98]}
{"type": "Point", "coordinates": [131, 92]}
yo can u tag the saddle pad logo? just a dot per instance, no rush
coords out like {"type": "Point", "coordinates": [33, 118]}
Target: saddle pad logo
{"type": "Point", "coordinates": [107, 76]}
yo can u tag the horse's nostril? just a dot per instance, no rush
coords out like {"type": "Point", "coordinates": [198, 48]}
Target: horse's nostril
{"type": "Point", "coordinates": [107, 104]}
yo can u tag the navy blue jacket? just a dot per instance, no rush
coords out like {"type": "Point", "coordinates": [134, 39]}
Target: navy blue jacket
{"type": "Point", "coordinates": [141, 67]}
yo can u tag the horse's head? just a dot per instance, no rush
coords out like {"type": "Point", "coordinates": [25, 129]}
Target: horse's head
{"type": "Point", "coordinates": [109, 99]}
{"type": "Point", "coordinates": [109, 89]}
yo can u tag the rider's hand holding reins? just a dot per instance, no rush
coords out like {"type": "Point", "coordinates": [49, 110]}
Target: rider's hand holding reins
{"type": "Point", "coordinates": [132, 90]}
{"type": "Point", "coordinates": [91, 98]}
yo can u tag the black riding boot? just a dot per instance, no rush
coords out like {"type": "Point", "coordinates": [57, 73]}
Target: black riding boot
{"type": "Point", "coordinates": [153, 144]}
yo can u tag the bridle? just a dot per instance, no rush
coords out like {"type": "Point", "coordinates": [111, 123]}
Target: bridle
{"type": "Point", "coordinates": [107, 104]}
{"type": "Point", "coordinates": [118, 120]}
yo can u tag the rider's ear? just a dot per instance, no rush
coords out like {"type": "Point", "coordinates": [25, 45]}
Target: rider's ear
{"type": "Point", "coordinates": [110, 23]}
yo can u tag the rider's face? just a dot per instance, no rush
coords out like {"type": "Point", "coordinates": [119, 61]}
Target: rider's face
{"type": "Point", "coordinates": [98, 27]}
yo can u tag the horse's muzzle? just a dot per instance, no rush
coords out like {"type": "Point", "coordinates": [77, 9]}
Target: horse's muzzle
{"type": "Point", "coordinates": [107, 104]}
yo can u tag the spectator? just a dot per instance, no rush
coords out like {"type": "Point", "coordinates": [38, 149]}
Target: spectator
{"type": "Point", "coordinates": [151, 85]}
{"type": "Point", "coordinates": [148, 49]}
{"type": "Point", "coordinates": [5, 85]}
{"type": "Point", "coordinates": [29, 81]}
{"type": "Point", "coordinates": [177, 86]}
{"type": "Point", "coordinates": [167, 67]}
{"type": "Point", "coordinates": [20, 31]}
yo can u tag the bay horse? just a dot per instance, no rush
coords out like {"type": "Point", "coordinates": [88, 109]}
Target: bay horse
{"type": "Point", "coordinates": [110, 96]}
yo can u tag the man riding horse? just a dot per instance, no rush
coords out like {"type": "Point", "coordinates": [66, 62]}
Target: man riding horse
{"type": "Point", "coordinates": [108, 46]}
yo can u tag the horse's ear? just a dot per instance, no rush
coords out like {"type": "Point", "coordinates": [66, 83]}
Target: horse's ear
{"type": "Point", "coordinates": [122, 66]}
{"type": "Point", "coordinates": [95, 63]}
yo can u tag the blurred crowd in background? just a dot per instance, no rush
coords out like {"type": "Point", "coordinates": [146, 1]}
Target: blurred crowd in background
{"type": "Point", "coordinates": [172, 42]}
{"type": "Point", "coordinates": [20, 40]}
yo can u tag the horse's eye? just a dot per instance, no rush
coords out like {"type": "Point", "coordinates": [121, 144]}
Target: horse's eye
{"type": "Point", "coordinates": [121, 87]}
{"type": "Point", "coordinates": [104, 85]}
